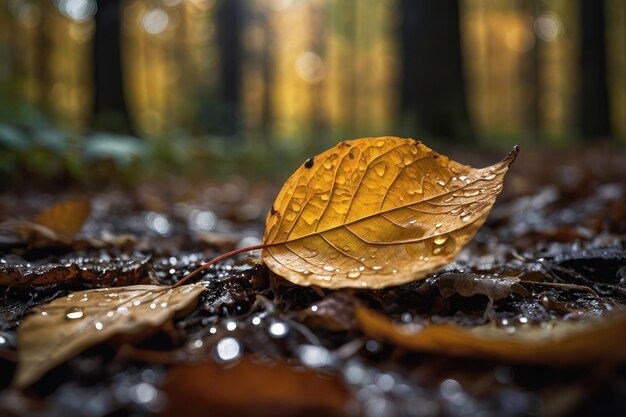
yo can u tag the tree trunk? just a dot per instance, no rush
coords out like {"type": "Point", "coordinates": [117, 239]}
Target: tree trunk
{"type": "Point", "coordinates": [594, 109]}
{"type": "Point", "coordinates": [229, 16]}
{"type": "Point", "coordinates": [110, 111]}
{"type": "Point", "coordinates": [432, 84]}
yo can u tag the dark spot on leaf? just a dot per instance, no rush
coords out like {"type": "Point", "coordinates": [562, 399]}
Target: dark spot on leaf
{"type": "Point", "coordinates": [273, 210]}
{"type": "Point", "coordinates": [351, 155]}
{"type": "Point", "coordinates": [308, 163]}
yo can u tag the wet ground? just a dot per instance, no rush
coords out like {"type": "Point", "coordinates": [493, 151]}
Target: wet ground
{"type": "Point", "coordinates": [552, 251]}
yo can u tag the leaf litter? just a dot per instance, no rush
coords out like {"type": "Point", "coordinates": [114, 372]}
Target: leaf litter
{"type": "Point", "coordinates": [250, 311]}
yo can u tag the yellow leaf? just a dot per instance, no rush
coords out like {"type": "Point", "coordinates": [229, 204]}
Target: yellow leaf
{"type": "Point", "coordinates": [56, 331]}
{"type": "Point", "coordinates": [66, 218]}
{"type": "Point", "coordinates": [560, 343]}
{"type": "Point", "coordinates": [377, 212]}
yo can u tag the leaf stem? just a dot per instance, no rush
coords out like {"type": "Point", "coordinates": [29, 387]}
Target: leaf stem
{"type": "Point", "coordinates": [216, 260]}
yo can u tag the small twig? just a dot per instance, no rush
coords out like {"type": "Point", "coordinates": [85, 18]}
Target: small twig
{"type": "Point", "coordinates": [564, 286]}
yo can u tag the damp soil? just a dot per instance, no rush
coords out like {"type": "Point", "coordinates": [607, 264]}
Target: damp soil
{"type": "Point", "coordinates": [558, 232]}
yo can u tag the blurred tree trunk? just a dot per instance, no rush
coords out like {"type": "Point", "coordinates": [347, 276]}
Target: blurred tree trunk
{"type": "Point", "coordinates": [432, 84]}
{"type": "Point", "coordinates": [267, 70]}
{"type": "Point", "coordinates": [110, 111]}
{"type": "Point", "coordinates": [532, 75]}
{"type": "Point", "coordinates": [44, 50]}
{"type": "Point", "coordinates": [594, 108]}
{"type": "Point", "coordinates": [318, 36]}
{"type": "Point", "coordinates": [229, 18]}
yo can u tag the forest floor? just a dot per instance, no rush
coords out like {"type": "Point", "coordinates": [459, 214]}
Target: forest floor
{"type": "Point", "coordinates": [546, 276]}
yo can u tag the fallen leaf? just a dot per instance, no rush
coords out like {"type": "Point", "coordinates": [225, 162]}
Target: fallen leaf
{"type": "Point", "coordinates": [55, 225]}
{"type": "Point", "coordinates": [377, 212]}
{"type": "Point", "coordinates": [68, 325]}
{"type": "Point", "coordinates": [250, 388]}
{"type": "Point", "coordinates": [467, 284]}
{"type": "Point", "coordinates": [560, 343]}
{"type": "Point", "coordinates": [334, 312]}
{"type": "Point", "coordinates": [66, 218]}
{"type": "Point", "coordinates": [83, 270]}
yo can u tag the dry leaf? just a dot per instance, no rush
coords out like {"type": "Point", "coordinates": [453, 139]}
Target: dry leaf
{"type": "Point", "coordinates": [55, 225]}
{"type": "Point", "coordinates": [561, 343]}
{"type": "Point", "coordinates": [252, 389]}
{"type": "Point", "coordinates": [467, 285]}
{"type": "Point", "coordinates": [66, 218]}
{"type": "Point", "coordinates": [68, 325]}
{"type": "Point", "coordinates": [377, 212]}
{"type": "Point", "coordinates": [82, 270]}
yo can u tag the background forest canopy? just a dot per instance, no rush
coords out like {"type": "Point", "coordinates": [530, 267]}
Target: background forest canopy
{"type": "Point", "coordinates": [205, 77]}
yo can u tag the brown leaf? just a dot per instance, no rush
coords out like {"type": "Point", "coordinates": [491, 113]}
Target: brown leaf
{"type": "Point", "coordinates": [58, 330]}
{"type": "Point", "coordinates": [333, 312]}
{"type": "Point", "coordinates": [90, 272]}
{"type": "Point", "coordinates": [377, 212]}
{"type": "Point", "coordinates": [66, 218]}
{"type": "Point", "coordinates": [561, 343]}
{"type": "Point", "coordinates": [252, 389]}
{"type": "Point", "coordinates": [55, 225]}
{"type": "Point", "coordinates": [467, 285]}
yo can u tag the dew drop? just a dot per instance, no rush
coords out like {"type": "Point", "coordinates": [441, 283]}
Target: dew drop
{"type": "Point", "coordinates": [466, 217]}
{"type": "Point", "coordinates": [471, 193]}
{"type": "Point", "coordinates": [137, 303]}
{"type": "Point", "coordinates": [438, 225]}
{"type": "Point", "coordinates": [412, 221]}
{"type": "Point", "coordinates": [380, 169]}
{"type": "Point", "coordinates": [122, 310]}
{"type": "Point", "coordinates": [296, 206]}
{"type": "Point", "coordinates": [74, 313]}
{"type": "Point", "coordinates": [329, 268]}
{"type": "Point", "coordinates": [380, 143]}
{"type": "Point", "coordinates": [440, 240]}
{"type": "Point", "coordinates": [456, 210]}
{"type": "Point", "coordinates": [354, 274]}
{"type": "Point", "coordinates": [110, 313]}
{"type": "Point", "coordinates": [153, 306]}
{"type": "Point", "coordinates": [448, 199]}
{"type": "Point", "coordinates": [325, 197]}
{"type": "Point", "coordinates": [309, 218]}
{"type": "Point", "coordinates": [327, 164]}
{"type": "Point", "coordinates": [489, 176]}
{"type": "Point", "coordinates": [377, 267]}
{"type": "Point", "coordinates": [290, 216]}
{"type": "Point", "coordinates": [407, 159]}
{"type": "Point", "coordinates": [228, 349]}
{"type": "Point", "coordinates": [278, 329]}
{"type": "Point", "coordinates": [441, 183]}
{"type": "Point", "coordinates": [362, 268]}
{"type": "Point", "coordinates": [99, 325]}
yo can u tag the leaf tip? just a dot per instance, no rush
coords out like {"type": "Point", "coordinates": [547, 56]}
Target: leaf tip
{"type": "Point", "coordinates": [511, 157]}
